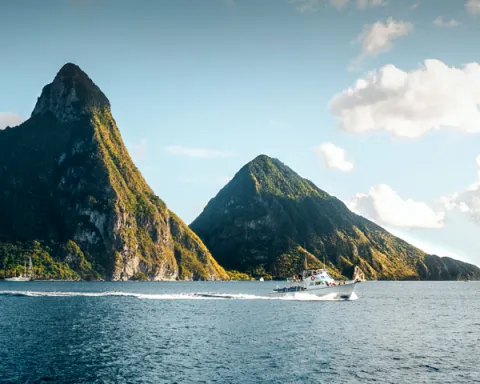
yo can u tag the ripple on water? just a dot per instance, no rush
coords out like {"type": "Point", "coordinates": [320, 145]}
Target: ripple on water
{"type": "Point", "coordinates": [230, 333]}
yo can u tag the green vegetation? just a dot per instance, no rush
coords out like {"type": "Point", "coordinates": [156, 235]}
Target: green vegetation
{"type": "Point", "coordinates": [193, 258]}
{"type": "Point", "coordinates": [13, 256]}
{"type": "Point", "coordinates": [240, 276]}
{"type": "Point", "coordinates": [269, 217]}
{"type": "Point", "coordinates": [139, 276]}
{"type": "Point", "coordinates": [69, 183]}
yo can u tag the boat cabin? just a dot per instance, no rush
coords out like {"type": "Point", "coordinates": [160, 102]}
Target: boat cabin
{"type": "Point", "coordinates": [312, 277]}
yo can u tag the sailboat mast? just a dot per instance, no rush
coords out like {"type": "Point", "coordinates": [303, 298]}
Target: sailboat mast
{"type": "Point", "coordinates": [30, 266]}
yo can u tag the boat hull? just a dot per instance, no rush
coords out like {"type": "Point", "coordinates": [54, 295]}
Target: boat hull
{"type": "Point", "coordinates": [344, 291]}
{"type": "Point", "coordinates": [18, 279]}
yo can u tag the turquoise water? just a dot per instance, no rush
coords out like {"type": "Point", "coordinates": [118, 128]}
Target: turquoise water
{"type": "Point", "coordinates": [208, 332]}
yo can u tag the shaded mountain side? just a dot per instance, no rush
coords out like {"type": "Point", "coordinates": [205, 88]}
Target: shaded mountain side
{"type": "Point", "coordinates": [68, 182]}
{"type": "Point", "coordinates": [267, 216]}
{"type": "Point", "coordinates": [194, 259]}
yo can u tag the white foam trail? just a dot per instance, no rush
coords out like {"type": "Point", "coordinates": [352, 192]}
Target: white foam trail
{"type": "Point", "coordinates": [176, 296]}
{"type": "Point", "coordinates": [353, 296]}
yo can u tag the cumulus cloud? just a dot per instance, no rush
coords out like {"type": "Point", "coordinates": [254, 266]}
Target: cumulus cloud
{"type": "Point", "coordinates": [466, 201]}
{"type": "Point", "coordinates": [363, 4]}
{"type": "Point", "coordinates": [8, 119]}
{"type": "Point", "coordinates": [378, 37]}
{"type": "Point", "coordinates": [339, 4]}
{"type": "Point", "coordinates": [409, 104]}
{"type": "Point", "coordinates": [441, 22]}
{"type": "Point", "coordinates": [384, 206]}
{"type": "Point", "coordinates": [305, 6]}
{"type": "Point", "coordinates": [196, 152]}
{"type": "Point", "coordinates": [333, 157]}
{"type": "Point", "coordinates": [473, 6]}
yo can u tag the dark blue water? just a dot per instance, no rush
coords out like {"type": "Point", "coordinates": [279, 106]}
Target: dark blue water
{"type": "Point", "coordinates": [395, 332]}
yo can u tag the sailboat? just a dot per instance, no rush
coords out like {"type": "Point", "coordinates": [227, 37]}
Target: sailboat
{"type": "Point", "coordinates": [23, 276]}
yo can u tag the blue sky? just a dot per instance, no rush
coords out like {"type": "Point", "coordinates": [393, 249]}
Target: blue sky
{"type": "Point", "coordinates": [199, 88]}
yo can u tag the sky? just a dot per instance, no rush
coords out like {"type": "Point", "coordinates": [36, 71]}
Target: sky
{"type": "Point", "coordinates": [375, 101]}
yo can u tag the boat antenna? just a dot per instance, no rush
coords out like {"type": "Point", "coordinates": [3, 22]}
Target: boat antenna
{"type": "Point", "coordinates": [305, 261]}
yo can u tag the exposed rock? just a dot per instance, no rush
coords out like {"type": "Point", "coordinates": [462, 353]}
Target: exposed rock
{"type": "Point", "coordinates": [67, 178]}
{"type": "Point", "coordinates": [71, 96]}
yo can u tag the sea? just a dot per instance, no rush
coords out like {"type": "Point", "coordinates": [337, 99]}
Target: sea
{"type": "Point", "coordinates": [231, 332]}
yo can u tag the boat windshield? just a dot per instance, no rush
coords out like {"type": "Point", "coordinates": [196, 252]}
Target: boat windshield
{"type": "Point", "coordinates": [320, 274]}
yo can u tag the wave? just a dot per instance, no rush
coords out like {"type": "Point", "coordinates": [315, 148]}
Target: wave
{"type": "Point", "coordinates": [176, 296]}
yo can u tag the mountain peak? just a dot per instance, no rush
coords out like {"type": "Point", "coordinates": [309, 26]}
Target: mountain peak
{"type": "Point", "coordinates": [71, 70]}
{"type": "Point", "coordinates": [261, 158]}
{"type": "Point", "coordinates": [268, 218]}
{"type": "Point", "coordinates": [71, 95]}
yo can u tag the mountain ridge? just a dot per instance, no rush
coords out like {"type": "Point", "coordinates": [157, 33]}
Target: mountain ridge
{"type": "Point", "coordinates": [267, 215]}
{"type": "Point", "coordinates": [73, 197]}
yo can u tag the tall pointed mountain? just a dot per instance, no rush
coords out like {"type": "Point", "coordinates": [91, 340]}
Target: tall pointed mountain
{"type": "Point", "coordinates": [268, 219]}
{"type": "Point", "coordinates": [72, 199]}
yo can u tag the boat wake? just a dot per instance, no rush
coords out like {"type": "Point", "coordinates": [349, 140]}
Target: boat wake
{"type": "Point", "coordinates": [176, 296]}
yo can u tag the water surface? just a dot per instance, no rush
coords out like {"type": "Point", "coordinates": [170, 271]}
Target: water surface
{"type": "Point", "coordinates": [212, 332]}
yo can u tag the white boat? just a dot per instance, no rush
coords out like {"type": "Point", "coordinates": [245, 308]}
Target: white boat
{"type": "Point", "coordinates": [23, 276]}
{"type": "Point", "coordinates": [316, 282]}
{"type": "Point", "coordinates": [261, 279]}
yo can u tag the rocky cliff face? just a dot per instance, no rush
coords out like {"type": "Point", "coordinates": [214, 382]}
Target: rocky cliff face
{"type": "Point", "coordinates": [68, 183]}
{"type": "Point", "coordinates": [269, 220]}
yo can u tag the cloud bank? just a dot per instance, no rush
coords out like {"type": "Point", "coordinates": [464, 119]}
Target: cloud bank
{"type": "Point", "coordinates": [466, 201]}
{"type": "Point", "coordinates": [385, 207]}
{"type": "Point", "coordinates": [305, 6]}
{"type": "Point", "coordinates": [410, 104]}
{"type": "Point", "coordinates": [473, 6]}
{"type": "Point", "coordinates": [441, 22]}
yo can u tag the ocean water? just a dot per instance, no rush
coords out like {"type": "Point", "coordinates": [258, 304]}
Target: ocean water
{"type": "Point", "coordinates": [228, 332]}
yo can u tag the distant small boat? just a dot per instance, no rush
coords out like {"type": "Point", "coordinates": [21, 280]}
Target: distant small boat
{"type": "Point", "coordinates": [261, 279]}
{"type": "Point", "coordinates": [23, 276]}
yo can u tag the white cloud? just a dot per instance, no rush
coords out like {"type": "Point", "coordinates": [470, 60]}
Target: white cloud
{"type": "Point", "coordinates": [8, 119]}
{"type": "Point", "coordinates": [333, 157]}
{"type": "Point", "coordinates": [339, 4]}
{"type": "Point", "coordinates": [378, 37]}
{"type": "Point", "coordinates": [409, 104]}
{"type": "Point", "coordinates": [363, 4]}
{"type": "Point", "coordinates": [473, 6]}
{"type": "Point", "coordinates": [441, 22]}
{"type": "Point", "coordinates": [414, 6]}
{"type": "Point", "coordinates": [305, 6]}
{"type": "Point", "coordinates": [384, 206]}
{"type": "Point", "coordinates": [466, 201]}
{"type": "Point", "coordinates": [196, 152]}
